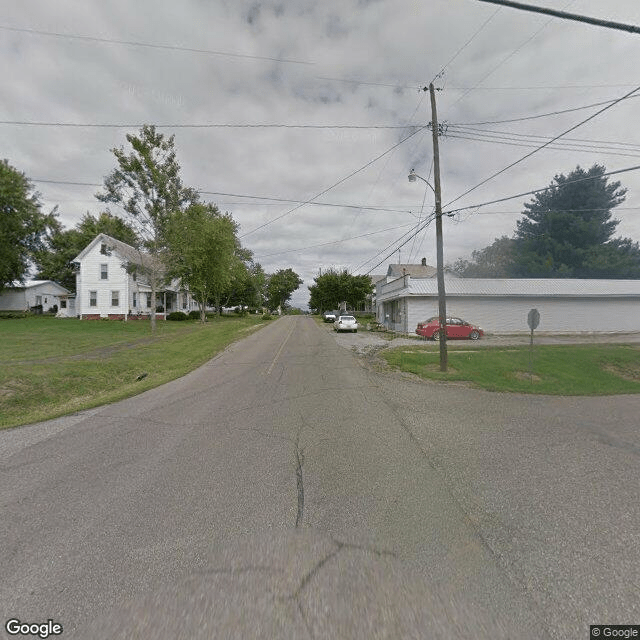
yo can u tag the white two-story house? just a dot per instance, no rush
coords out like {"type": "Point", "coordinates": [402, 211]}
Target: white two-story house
{"type": "Point", "coordinates": [108, 286]}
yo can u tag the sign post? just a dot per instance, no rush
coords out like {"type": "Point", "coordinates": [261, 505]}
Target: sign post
{"type": "Point", "coordinates": [533, 320]}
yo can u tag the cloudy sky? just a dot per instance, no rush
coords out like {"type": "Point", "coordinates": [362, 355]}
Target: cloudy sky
{"type": "Point", "coordinates": [338, 82]}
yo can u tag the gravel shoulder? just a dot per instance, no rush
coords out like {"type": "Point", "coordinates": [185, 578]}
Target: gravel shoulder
{"type": "Point", "coordinates": [370, 342]}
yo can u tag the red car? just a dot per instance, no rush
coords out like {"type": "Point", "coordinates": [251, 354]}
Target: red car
{"type": "Point", "coordinates": [456, 328]}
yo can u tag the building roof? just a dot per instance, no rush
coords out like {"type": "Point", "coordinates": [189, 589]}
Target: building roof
{"type": "Point", "coordinates": [526, 287]}
{"type": "Point", "coordinates": [414, 270]}
{"type": "Point", "coordinates": [28, 284]}
{"type": "Point", "coordinates": [124, 250]}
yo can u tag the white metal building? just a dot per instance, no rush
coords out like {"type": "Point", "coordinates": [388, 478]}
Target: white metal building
{"type": "Point", "coordinates": [501, 305]}
{"type": "Point", "coordinates": [35, 295]}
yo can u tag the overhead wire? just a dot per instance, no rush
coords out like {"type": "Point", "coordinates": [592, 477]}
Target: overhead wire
{"type": "Point", "coordinates": [543, 115]}
{"type": "Point", "coordinates": [508, 57]}
{"type": "Point", "coordinates": [335, 184]}
{"type": "Point", "coordinates": [72, 36]}
{"type": "Point", "coordinates": [324, 244]}
{"type": "Point", "coordinates": [546, 144]}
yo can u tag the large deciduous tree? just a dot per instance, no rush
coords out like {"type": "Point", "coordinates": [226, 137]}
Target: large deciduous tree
{"type": "Point", "coordinates": [280, 287]}
{"type": "Point", "coordinates": [54, 262]}
{"type": "Point", "coordinates": [205, 256]}
{"type": "Point", "coordinates": [146, 183]}
{"type": "Point", "coordinates": [23, 227]}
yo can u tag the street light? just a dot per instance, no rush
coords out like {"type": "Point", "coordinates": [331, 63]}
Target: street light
{"type": "Point", "coordinates": [442, 306]}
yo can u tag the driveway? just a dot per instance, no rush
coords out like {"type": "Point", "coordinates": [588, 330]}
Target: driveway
{"type": "Point", "coordinates": [365, 342]}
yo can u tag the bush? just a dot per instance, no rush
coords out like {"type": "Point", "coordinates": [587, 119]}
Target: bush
{"type": "Point", "coordinates": [267, 316]}
{"type": "Point", "coordinates": [194, 315]}
{"type": "Point", "coordinates": [177, 315]}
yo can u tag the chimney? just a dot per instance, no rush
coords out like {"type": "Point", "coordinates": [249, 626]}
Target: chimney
{"type": "Point", "coordinates": [424, 262]}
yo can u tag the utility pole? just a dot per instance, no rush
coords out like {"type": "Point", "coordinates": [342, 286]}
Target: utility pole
{"type": "Point", "coordinates": [442, 305]}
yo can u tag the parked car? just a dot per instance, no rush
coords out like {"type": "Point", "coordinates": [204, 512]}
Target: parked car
{"type": "Point", "coordinates": [346, 323]}
{"type": "Point", "coordinates": [329, 316]}
{"type": "Point", "coordinates": [456, 329]}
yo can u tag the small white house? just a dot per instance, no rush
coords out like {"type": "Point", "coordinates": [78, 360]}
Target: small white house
{"type": "Point", "coordinates": [501, 305]}
{"type": "Point", "coordinates": [107, 285]}
{"type": "Point", "coordinates": [37, 296]}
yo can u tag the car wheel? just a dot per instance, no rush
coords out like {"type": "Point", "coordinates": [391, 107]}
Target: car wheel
{"type": "Point", "coordinates": [474, 335]}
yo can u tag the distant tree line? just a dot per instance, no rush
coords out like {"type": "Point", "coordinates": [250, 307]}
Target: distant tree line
{"type": "Point", "coordinates": [566, 232]}
{"type": "Point", "coordinates": [333, 287]}
{"type": "Point", "coordinates": [177, 234]}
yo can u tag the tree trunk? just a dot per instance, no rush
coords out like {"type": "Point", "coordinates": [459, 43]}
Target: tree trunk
{"type": "Point", "coordinates": [152, 317]}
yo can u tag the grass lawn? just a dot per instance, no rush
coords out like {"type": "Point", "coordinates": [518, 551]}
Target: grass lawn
{"type": "Point", "coordinates": [52, 366]}
{"type": "Point", "coordinates": [557, 370]}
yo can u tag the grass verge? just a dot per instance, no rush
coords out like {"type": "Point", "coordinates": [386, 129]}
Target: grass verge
{"type": "Point", "coordinates": [555, 370]}
{"type": "Point", "coordinates": [51, 367]}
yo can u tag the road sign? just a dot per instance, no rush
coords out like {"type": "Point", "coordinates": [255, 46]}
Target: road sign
{"type": "Point", "coordinates": [533, 319]}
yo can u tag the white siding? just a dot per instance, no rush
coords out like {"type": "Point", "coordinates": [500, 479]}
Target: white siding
{"type": "Point", "coordinates": [88, 279]}
{"type": "Point", "coordinates": [508, 315]}
{"type": "Point", "coordinates": [21, 299]}
{"type": "Point", "coordinates": [13, 300]}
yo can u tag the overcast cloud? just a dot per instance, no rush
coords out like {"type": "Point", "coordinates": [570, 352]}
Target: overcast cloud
{"type": "Point", "coordinates": [336, 62]}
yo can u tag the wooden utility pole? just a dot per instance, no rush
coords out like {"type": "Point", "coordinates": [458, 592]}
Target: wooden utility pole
{"type": "Point", "coordinates": [442, 305]}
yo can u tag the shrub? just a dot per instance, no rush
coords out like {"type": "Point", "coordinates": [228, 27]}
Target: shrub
{"type": "Point", "coordinates": [194, 315]}
{"type": "Point", "coordinates": [267, 316]}
{"type": "Point", "coordinates": [177, 315]}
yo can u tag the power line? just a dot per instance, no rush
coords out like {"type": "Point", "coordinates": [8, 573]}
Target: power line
{"type": "Point", "coordinates": [543, 87]}
{"type": "Point", "coordinates": [554, 147]}
{"type": "Point", "coordinates": [149, 45]}
{"type": "Point", "coordinates": [353, 173]}
{"type": "Point", "coordinates": [567, 16]}
{"type": "Point", "coordinates": [317, 204]}
{"type": "Point", "coordinates": [530, 135]}
{"type": "Point", "coordinates": [528, 193]}
{"type": "Point", "coordinates": [324, 244]}
{"type": "Point", "coordinates": [212, 125]}
{"type": "Point", "coordinates": [504, 60]}
{"type": "Point", "coordinates": [545, 115]}
{"type": "Point", "coordinates": [422, 226]}
{"type": "Point", "coordinates": [272, 199]}
{"type": "Point", "coordinates": [546, 144]}
{"type": "Point", "coordinates": [467, 43]}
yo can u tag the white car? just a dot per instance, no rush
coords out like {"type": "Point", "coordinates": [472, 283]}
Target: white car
{"type": "Point", "coordinates": [346, 323]}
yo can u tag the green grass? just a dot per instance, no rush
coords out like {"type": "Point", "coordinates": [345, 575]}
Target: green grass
{"type": "Point", "coordinates": [557, 370]}
{"type": "Point", "coordinates": [50, 366]}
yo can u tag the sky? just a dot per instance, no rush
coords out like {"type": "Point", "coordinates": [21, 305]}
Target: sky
{"type": "Point", "coordinates": [303, 118]}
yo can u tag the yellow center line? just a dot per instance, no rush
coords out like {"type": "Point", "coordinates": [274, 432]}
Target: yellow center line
{"type": "Point", "coordinates": [293, 326]}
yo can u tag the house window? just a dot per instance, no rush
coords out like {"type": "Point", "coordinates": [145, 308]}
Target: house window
{"type": "Point", "coordinates": [184, 300]}
{"type": "Point", "coordinates": [148, 301]}
{"type": "Point", "coordinates": [135, 299]}
{"type": "Point", "coordinates": [104, 272]}
{"type": "Point", "coordinates": [93, 298]}
{"type": "Point", "coordinates": [63, 304]}
{"type": "Point", "coordinates": [115, 298]}
{"type": "Point", "coordinates": [103, 249]}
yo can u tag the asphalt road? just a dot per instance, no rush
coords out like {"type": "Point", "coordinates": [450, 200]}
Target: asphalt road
{"type": "Point", "coordinates": [286, 490]}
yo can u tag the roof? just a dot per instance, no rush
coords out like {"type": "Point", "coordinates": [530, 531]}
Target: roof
{"type": "Point", "coordinates": [124, 250]}
{"type": "Point", "coordinates": [414, 270]}
{"type": "Point", "coordinates": [28, 284]}
{"type": "Point", "coordinates": [555, 287]}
